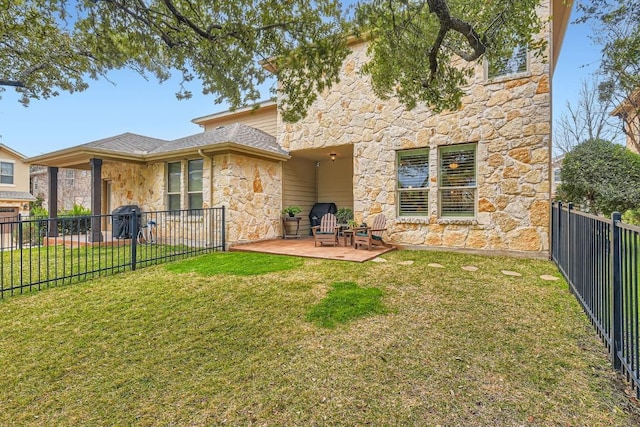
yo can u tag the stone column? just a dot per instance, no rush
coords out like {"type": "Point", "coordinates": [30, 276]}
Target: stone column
{"type": "Point", "coordinates": [96, 200]}
{"type": "Point", "coordinates": [52, 229]}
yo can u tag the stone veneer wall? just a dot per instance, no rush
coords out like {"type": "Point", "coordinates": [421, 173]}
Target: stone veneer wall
{"type": "Point", "coordinates": [70, 191]}
{"type": "Point", "coordinates": [508, 118]}
{"type": "Point", "coordinates": [251, 190]}
{"type": "Point", "coordinates": [133, 184]}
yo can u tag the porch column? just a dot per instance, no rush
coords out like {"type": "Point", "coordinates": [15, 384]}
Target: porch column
{"type": "Point", "coordinates": [96, 200]}
{"type": "Point", "coordinates": [53, 201]}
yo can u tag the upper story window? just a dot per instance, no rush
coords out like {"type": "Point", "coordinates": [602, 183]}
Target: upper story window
{"type": "Point", "coordinates": [6, 173]}
{"type": "Point", "coordinates": [412, 168]}
{"type": "Point", "coordinates": [457, 181]}
{"type": "Point", "coordinates": [174, 183]}
{"type": "Point", "coordinates": [69, 176]}
{"type": "Point", "coordinates": [517, 63]}
{"type": "Point", "coordinates": [194, 184]}
{"type": "Point", "coordinates": [556, 175]}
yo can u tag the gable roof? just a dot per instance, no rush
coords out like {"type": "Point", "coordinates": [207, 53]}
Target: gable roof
{"type": "Point", "coordinates": [12, 151]}
{"type": "Point", "coordinates": [134, 148]}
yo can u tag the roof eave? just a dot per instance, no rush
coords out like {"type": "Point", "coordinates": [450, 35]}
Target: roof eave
{"type": "Point", "coordinates": [214, 149]}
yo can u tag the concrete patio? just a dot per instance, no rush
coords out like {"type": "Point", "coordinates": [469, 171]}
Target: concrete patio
{"type": "Point", "coordinates": [305, 248]}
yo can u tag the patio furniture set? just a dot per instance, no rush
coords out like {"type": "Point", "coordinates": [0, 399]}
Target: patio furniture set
{"type": "Point", "coordinates": [329, 233]}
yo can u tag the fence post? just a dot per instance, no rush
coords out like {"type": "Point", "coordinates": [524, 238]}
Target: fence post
{"type": "Point", "coordinates": [134, 238]}
{"type": "Point", "coordinates": [223, 231]}
{"type": "Point", "coordinates": [557, 235]}
{"type": "Point", "coordinates": [616, 285]}
{"type": "Point", "coordinates": [568, 253]}
{"type": "Point", "coordinates": [20, 231]}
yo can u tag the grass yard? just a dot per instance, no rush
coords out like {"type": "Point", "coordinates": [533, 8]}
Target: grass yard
{"type": "Point", "coordinates": [251, 339]}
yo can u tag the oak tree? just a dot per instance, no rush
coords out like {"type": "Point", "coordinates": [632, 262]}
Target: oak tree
{"type": "Point", "coordinates": [231, 47]}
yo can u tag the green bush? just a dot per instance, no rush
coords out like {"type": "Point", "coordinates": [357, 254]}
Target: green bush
{"type": "Point", "coordinates": [344, 215]}
{"type": "Point", "coordinates": [632, 216]}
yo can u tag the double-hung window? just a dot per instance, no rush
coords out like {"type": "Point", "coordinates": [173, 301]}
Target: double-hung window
{"type": "Point", "coordinates": [194, 184]}
{"type": "Point", "coordinates": [6, 173]}
{"type": "Point", "coordinates": [412, 168]}
{"type": "Point", "coordinates": [174, 182]}
{"type": "Point", "coordinates": [515, 64]}
{"type": "Point", "coordinates": [457, 180]}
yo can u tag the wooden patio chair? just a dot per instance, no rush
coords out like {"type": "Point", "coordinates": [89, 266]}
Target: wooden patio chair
{"type": "Point", "coordinates": [371, 236]}
{"type": "Point", "coordinates": [327, 232]}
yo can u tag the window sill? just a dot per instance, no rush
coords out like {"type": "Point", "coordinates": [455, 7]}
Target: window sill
{"type": "Point", "coordinates": [502, 79]}
{"type": "Point", "coordinates": [413, 220]}
{"type": "Point", "coordinates": [457, 221]}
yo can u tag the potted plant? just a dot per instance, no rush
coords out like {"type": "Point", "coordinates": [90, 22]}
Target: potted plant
{"type": "Point", "coordinates": [344, 215]}
{"type": "Point", "coordinates": [292, 210]}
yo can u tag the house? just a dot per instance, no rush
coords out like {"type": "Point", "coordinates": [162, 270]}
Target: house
{"type": "Point", "coordinates": [476, 178]}
{"type": "Point", "coordinates": [74, 187]}
{"type": "Point", "coordinates": [629, 112]}
{"type": "Point", "coordinates": [14, 184]}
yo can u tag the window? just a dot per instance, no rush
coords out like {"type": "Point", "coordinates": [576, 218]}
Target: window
{"type": "Point", "coordinates": [69, 177]}
{"type": "Point", "coordinates": [457, 172]}
{"type": "Point", "coordinates": [6, 173]}
{"type": "Point", "coordinates": [194, 184]}
{"type": "Point", "coordinates": [413, 182]}
{"type": "Point", "coordinates": [174, 181]}
{"type": "Point", "coordinates": [556, 175]}
{"type": "Point", "coordinates": [516, 63]}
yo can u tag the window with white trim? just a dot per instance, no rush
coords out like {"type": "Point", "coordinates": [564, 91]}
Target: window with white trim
{"type": "Point", "coordinates": [194, 183]}
{"type": "Point", "coordinates": [457, 181]}
{"type": "Point", "coordinates": [174, 181]}
{"type": "Point", "coordinates": [6, 173]}
{"type": "Point", "coordinates": [412, 168]}
{"type": "Point", "coordinates": [515, 64]}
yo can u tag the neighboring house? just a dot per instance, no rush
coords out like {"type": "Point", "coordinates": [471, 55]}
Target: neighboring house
{"type": "Point", "coordinates": [475, 178]}
{"type": "Point", "coordinates": [74, 187]}
{"type": "Point", "coordinates": [14, 184]}
{"type": "Point", "coordinates": [629, 113]}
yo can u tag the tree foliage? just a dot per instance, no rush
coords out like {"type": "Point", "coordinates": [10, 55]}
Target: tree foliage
{"type": "Point", "coordinates": [419, 49]}
{"type": "Point", "coordinates": [602, 177]}
{"type": "Point", "coordinates": [233, 46]}
{"type": "Point", "coordinates": [617, 29]}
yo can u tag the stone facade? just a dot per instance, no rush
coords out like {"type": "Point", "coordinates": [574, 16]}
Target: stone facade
{"type": "Point", "coordinates": [509, 121]}
{"type": "Point", "coordinates": [74, 187]}
{"type": "Point", "coordinates": [250, 189]}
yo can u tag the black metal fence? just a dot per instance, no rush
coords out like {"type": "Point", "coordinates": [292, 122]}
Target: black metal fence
{"type": "Point", "coordinates": [36, 253]}
{"type": "Point", "coordinates": [600, 260]}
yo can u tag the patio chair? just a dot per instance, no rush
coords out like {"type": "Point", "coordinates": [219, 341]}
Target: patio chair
{"type": "Point", "coordinates": [327, 232]}
{"type": "Point", "coordinates": [371, 236]}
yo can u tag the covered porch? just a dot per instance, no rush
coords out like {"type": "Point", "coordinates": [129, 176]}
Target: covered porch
{"type": "Point", "coordinates": [321, 175]}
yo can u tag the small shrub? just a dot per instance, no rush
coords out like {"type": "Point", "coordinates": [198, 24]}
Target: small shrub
{"type": "Point", "coordinates": [344, 215]}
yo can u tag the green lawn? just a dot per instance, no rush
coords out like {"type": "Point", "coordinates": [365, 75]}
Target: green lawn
{"type": "Point", "coordinates": [199, 342]}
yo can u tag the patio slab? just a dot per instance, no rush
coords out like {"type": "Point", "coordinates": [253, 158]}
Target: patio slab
{"type": "Point", "coordinates": [305, 248]}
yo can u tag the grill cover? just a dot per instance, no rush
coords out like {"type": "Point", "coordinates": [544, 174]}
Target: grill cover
{"type": "Point", "coordinates": [318, 210]}
{"type": "Point", "coordinates": [121, 221]}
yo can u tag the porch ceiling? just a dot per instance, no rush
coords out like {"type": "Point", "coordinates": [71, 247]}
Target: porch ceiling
{"type": "Point", "coordinates": [323, 153]}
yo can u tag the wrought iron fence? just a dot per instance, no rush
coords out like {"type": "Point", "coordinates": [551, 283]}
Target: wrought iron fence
{"type": "Point", "coordinates": [600, 260]}
{"type": "Point", "coordinates": [36, 253]}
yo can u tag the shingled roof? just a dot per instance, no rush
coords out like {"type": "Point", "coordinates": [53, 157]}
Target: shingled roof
{"type": "Point", "coordinates": [236, 133]}
{"type": "Point", "coordinates": [131, 147]}
{"type": "Point", "coordinates": [127, 143]}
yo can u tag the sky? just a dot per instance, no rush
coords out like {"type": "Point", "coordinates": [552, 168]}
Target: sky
{"type": "Point", "coordinates": [129, 103]}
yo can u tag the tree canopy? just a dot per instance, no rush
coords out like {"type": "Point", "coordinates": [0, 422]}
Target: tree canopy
{"type": "Point", "coordinates": [233, 46]}
{"type": "Point", "coordinates": [617, 30]}
{"type": "Point", "coordinates": [600, 176]}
